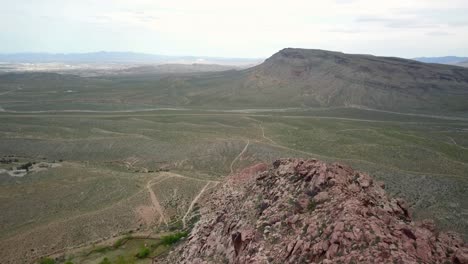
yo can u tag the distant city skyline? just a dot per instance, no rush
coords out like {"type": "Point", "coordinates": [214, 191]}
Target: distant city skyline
{"type": "Point", "coordinates": [243, 29]}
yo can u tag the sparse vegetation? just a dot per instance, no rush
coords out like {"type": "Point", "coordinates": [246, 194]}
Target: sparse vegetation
{"type": "Point", "coordinates": [47, 261]}
{"type": "Point", "coordinates": [123, 260]}
{"type": "Point", "coordinates": [105, 261]}
{"type": "Point", "coordinates": [143, 253]}
{"type": "Point", "coordinates": [119, 242]}
{"type": "Point", "coordinates": [173, 238]}
{"type": "Point", "coordinates": [25, 166]}
{"type": "Point", "coordinates": [413, 155]}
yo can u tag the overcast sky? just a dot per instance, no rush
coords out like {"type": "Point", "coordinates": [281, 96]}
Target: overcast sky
{"type": "Point", "coordinates": [235, 28]}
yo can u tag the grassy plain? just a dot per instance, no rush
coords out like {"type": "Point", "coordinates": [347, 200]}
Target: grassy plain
{"type": "Point", "coordinates": [141, 171]}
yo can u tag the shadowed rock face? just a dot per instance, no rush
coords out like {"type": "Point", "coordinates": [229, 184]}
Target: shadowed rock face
{"type": "Point", "coordinates": [307, 211]}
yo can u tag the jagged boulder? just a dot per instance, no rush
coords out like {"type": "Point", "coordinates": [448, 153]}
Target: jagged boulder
{"type": "Point", "coordinates": [308, 211]}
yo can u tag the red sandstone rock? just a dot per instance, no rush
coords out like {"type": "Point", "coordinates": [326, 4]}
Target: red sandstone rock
{"type": "Point", "coordinates": [307, 211]}
{"type": "Point", "coordinates": [461, 256]}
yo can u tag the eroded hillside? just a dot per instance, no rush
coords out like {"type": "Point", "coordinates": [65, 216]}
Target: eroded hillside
{"type": "Point", "coordinates": [325, 78]}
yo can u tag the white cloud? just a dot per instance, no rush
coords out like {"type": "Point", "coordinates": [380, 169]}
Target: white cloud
{"type": "Point", "coordinates": [246, 27]}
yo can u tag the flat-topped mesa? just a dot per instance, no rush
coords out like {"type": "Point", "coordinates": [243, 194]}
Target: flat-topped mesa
{"type": "Point", "coordinates": [308, 211]}
{"type": "Point", "coordinates": [321, 78]}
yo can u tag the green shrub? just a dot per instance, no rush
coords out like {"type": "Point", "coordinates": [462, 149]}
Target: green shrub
{"type": "Point", "coordinates": [25, 166]}
{"type": "Point", "coordinates": [47, 261]}
{"type": "Point", "coordinates": [105, 261]}
{"type": "Point", "coordinates": [144, 252]}
{"type": "Point", "coordinates": [172, 239]}
{"type": "Point", "coordinates": [118, 243]}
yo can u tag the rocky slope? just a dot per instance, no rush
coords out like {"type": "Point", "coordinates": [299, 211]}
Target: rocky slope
{"type": "Point", "coordinates": [327, 78]}
{"type": "Point", "coordinates": [307, 211]}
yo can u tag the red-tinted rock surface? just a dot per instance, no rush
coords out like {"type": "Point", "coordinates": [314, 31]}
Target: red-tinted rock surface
{"type": "Point", "coordinates": [307, 211]}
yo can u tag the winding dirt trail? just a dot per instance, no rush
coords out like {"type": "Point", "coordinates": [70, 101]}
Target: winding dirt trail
{"type": "Point", "coordinates": [240, 154]}
{"type": "Point", "coordinates": [184, 219]}
{"type": "Point", "coordinates": [456, 144]}
{"type": "Point", "coordinates": [259, 123]}
{"type": "Point", "coordinates": [263, 134]}
{"type": "Point", "coordinates": [156, 205]}
{"type": "Point", "coordinates": [172, 174]}
{"type": "Point", "coordinates": [7, 92]}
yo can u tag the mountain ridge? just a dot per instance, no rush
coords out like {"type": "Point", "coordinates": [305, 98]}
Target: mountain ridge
{"type": "Point", "coordinates": [325, 78]}
{"type": "Point", "coordinates": [453, 60]}
{"type": "Point", "coordinates": [303, 78]}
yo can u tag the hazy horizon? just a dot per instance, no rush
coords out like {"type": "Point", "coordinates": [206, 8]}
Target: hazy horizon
{"type": "Point", "coordinates": [125, 52]}
{"type": "Point", "coordinates": [203, 56]}
{"type": "Point", "coordinates": [246, 29]}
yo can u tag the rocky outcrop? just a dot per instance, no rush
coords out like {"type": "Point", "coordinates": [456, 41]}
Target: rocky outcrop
{"type": "Point", "coordinates": [307, 211]}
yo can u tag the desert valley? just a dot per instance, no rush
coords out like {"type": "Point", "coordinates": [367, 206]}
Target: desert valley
{"type": "Point", "coordinates": [122, 164]}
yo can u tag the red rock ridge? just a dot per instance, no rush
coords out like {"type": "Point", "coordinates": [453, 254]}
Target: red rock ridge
{"type": "Point", "coordinates": [307, 211]}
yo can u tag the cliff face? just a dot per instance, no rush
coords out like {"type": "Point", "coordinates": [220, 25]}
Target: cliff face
{"type": "Point", "coordinates": [307, 211]}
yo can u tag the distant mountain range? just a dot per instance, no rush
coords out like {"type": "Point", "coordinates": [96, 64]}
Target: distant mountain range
{"type": "Point", "coordinates": [145, 58]}
{"type": "Point", "coordinates": [291, 78]}
{"type": "Point", "coordinates": [452, 60]}
{"type": "Point", "coordinates": [121, 57]}
{"type": "Point", "coordinates": [317, 78]}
